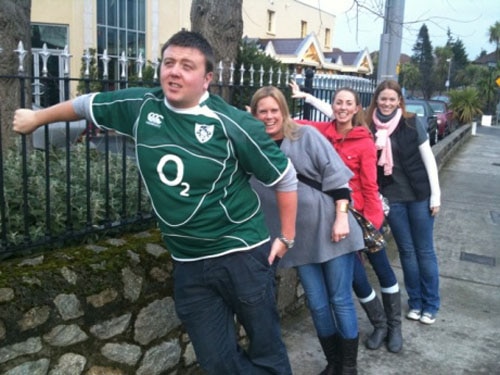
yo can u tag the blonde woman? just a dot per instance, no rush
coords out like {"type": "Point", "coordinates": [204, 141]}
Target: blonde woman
{"type": "Point", "coordinates": [327, 236]}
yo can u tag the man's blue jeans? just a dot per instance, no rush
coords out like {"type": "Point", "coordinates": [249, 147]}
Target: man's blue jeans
{"type": "Point", "coordinates": [328, 286]}
{"type": "Point", "coordinates": [208, 295]}
{"type": "Point", "coordinates": [412, 227]}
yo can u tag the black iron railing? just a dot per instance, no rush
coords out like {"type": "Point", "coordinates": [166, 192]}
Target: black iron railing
{"type": "Point", "coordinates": [73, 182]}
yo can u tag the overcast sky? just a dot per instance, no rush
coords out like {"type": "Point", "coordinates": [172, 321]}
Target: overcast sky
{"type": "Point", "coordinates": [468, 20]}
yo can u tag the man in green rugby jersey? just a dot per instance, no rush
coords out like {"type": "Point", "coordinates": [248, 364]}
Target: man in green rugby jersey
{"type": "Point", "coordinates": [195, 154]}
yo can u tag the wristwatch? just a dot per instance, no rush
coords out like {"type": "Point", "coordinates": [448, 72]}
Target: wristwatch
{"type": "Point", "coordinates": [288, 243]}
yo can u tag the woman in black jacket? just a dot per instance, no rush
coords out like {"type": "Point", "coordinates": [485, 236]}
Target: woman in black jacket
{"type": "Point", "coordinates": [408, 178]}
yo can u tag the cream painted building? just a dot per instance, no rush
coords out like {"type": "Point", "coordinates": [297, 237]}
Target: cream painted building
{"type": "Point", "coordinates": [135, 29]}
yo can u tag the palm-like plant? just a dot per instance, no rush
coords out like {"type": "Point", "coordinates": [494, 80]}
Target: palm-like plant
{"type": "Point", "coordinates": [466, 104]}
{"type": "Point", "coordinates": [494, 36]}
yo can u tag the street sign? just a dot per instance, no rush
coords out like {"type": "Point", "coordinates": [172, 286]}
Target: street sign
{"type": "Point", "coordinates": [497, 81]}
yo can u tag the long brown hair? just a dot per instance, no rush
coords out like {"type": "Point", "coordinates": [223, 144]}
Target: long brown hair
{"type": "Point", "coordinates": [290, 127]}
{"type": "Point", "coordinates": [359, 118]}
{"type": "Point", "coordinates": [391, 85]}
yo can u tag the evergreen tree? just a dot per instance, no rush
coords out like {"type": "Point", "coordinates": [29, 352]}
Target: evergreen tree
{"type": "Point", "coordinates": [422, 56]}
{"type": "Point", "coordinates": [409, 78]}
{"type": "Point", "coordinates": [460, 57]}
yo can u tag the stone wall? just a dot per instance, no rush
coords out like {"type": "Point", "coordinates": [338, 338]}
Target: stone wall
{"type": "Point", "coordinates": [445, 148]}
{"type": "Point", "coordinates": [107, 309]}
{"type": "Point", "coordinates": [100, 309]}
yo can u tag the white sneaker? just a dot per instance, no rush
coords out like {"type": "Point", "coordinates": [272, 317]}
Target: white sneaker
{"type": "Point", "coordinates": [414, 315]}
{"type": "Point", "coordinates": [427, 318]}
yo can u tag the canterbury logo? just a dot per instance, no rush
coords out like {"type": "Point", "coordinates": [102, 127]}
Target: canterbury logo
{"type": "Point", "coordinates": [154, 119]}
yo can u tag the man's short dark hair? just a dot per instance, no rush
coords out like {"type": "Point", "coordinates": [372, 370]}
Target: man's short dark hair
{"type": "Point", "coordinates": [192, 39]}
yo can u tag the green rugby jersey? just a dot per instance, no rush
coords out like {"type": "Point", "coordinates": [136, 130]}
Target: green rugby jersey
{"type": "Point", "coordinates": [196, 164]}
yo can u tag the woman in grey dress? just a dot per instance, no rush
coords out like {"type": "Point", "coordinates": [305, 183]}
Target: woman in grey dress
{"type": "Point", "coordinates": [327, 235]}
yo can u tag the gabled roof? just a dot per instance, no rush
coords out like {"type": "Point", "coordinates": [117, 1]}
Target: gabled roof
{"type": "Point", "coordinates": [307, 52]}
{"type": "Point", "coordinates": [359, 61]}
{"type": "Point", "coordinates": [283, 46]}
{"type": "Point", "coordinates": [304, 51]}
{"type": "Point", "coordinates": [487, 58]}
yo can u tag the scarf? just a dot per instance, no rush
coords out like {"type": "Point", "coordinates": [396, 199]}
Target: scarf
{"type": "Point", "coordinates": [385, 126]}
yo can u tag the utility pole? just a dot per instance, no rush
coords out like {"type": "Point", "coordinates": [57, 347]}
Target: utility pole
{"type": "Point", "coordinates": [390, 40]}
{"type": "Point", "coordinates": [447, 83]}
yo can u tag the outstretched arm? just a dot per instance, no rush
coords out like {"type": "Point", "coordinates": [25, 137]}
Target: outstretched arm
{"type": "Point", "coordinates": [26, 121]}
{"type": "Point", "coordinates": [319, 104]}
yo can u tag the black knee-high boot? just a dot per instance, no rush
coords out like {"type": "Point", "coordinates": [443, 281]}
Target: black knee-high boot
{"type": "Point", "coordinates": [349, 356]}
{"type": "Point", "coordinates": [376, 315]}
{"type": "Point", "coordinates": [392, 307]}
{"type": "Point", "coordinates": [331, 346]}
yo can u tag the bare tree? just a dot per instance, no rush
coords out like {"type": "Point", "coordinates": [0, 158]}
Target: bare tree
{"type": "Point", "coordinates": [14, 27]}
{"type": "Point", "coordinates": [221, 23]}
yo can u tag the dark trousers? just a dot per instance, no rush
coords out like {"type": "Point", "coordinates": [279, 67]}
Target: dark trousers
{"type": "Point", "coordinates": [210, 293]}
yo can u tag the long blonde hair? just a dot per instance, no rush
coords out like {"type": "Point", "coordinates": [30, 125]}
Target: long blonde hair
{"type": "Point", "coordinates": [290, 127]}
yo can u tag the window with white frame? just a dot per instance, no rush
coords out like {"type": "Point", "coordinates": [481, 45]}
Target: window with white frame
{"type": "Point", "coordinates": [271, 19]}
{"type": "Point", "coordinates": [121, 28]}
{"type": "Point", "coordinates": [303, 29]}
{"type": "Point", "coordinates": [328, 38]}
{"type": "Point", "coordinates": [48, 89]}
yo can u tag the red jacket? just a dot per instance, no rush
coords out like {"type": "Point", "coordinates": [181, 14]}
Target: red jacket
{"type": "Point", "coordinates": [357, 150]}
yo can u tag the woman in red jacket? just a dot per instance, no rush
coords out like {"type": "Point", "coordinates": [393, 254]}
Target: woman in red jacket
{"type": "Point", "coordinates": [353, 141]}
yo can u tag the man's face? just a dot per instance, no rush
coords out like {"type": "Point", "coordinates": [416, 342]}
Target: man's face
{"type": "Point", "coordinates": [183, 77]}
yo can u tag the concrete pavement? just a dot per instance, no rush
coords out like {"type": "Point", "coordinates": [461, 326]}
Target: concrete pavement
{"type": "Point", "coordinates": [465, 339]}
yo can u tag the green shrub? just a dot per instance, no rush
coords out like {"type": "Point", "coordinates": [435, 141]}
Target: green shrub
{"type": "Point", "coordinates": [53, 198]}
{"type": "Point", "coordinates": [466, 104]}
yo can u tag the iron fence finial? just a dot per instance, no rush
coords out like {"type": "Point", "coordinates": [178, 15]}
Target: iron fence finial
{"type": "Point", "coordinates": [123, 64]}
{"type": "Point", "coordinates": [139, 65]}
{"type": "Point", "coordinates": [105, 62]}
{"type": "Point", "coordinates": [45, 54]}
{"type": "Point", "coordinates": [21, 54]}
{"type": "Point", "coordinates": [66, 56]}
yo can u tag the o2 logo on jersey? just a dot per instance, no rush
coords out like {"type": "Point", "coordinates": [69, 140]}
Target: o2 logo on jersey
{"type": "Point", "coordinates": [203, 132]}
{"type": "Point", "coordinates": [178, 178]}
{"type": "Point", "coordinates": [154, 119]}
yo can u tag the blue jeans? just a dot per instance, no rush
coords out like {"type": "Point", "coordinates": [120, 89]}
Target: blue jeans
{"type": "Point", "coordinates": [412, 227]}
{"type": "Point", "coordinates": [383, 270]}
{"type": "Point", "coordinates": [328, 286]}
{"type": "Point", "coordinates": [208, 295]}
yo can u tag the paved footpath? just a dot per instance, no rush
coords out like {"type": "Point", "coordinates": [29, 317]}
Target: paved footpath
{"type": "Point", "coordinates": [465, 339]}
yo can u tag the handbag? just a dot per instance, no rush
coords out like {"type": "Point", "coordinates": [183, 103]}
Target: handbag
{"type": "Point", "coordinates": [373, 238]}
